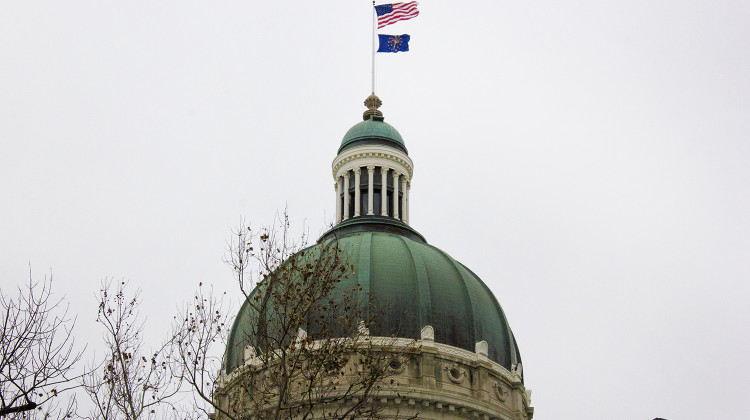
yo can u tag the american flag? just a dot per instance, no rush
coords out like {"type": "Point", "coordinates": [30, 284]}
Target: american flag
{"type": "Point", "coordinates": [392, 13]}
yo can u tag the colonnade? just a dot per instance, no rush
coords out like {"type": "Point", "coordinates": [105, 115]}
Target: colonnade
{"type": "Point", "coordinates": [400, 183]}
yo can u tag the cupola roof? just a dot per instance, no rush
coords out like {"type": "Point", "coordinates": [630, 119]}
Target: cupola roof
{"type": "Point", "coordinates": [373, 130]}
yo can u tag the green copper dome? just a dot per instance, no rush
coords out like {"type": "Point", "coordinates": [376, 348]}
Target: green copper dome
{"type": "Point", "coordinates": [414, 284]}
{"type": "Point", "coordinates": [372, 131]}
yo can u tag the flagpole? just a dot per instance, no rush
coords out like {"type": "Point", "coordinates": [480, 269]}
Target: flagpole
{"type": "Point", "coordinates": [374, 18]}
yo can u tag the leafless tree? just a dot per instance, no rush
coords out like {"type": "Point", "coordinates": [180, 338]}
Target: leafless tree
{"type": "Point", "coordinates": [200, 332]}
{"type": "Point", "coordinates": [308, 352]}
{"type": "Point", "coordinates": [129, 383]}
{"type": "Point", "coordinates": [37, 352]}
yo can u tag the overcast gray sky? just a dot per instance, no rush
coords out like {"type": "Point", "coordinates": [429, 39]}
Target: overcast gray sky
{"type": "Point", "coordinates": [588, 159]}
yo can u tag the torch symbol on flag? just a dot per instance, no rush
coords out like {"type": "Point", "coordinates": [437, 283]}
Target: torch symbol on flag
{"type": "Point", "coordinates": [393, 43]}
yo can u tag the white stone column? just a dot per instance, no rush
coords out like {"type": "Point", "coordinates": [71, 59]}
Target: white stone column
{"type": "Point", "coordinates": [408, 202]}
{"type": "Point", "coordinates": [346, 195]}
{"type": "Point", "coordinates": [357, 193]}
{"type": "Point", "coordinates": [384, 191]}
{"type": "Point", "coordinates": [370, 190]}
{"type": "Point", "coordinates": [404, 208]}
{"type": "Point", "coordinates": [395, 193]}
{"type": "Point", "coordinates": [338, 200]}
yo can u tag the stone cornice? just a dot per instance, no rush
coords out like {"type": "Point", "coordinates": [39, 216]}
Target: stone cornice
{"type": "Point", "coordinates": [445, 351]}
{"type": "Point", "coordinates": [436, 401]}
{"type": "Point", "coordinates": [372, 156]}
{"type": "Point", "coordinates": [490, 392]}
{"type": "Point", "coordinates": [461, 355]}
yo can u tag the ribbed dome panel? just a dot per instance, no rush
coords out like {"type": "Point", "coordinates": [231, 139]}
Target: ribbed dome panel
{"type": "Point", "coordinates": [412, 284]}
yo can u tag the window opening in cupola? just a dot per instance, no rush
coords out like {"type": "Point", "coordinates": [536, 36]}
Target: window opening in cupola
{"type": "Point", "coordinates": [363, 190]}
{"type": "Point", "coordinates": [389, 179]}
{"type": "Point", "coordinates": [341, 196]}
{"type": "Point", "coordinates": [350, 174]}
{"type": "Point", "coordinates": [377, 187]}
{"type": "Point", "coordinates": [400, 198]}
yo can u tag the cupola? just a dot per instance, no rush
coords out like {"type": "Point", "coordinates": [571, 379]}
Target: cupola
{"type": "Point", "coordinates": [372, 170]}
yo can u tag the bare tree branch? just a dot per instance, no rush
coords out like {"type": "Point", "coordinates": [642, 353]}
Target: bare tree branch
{"type": "Point", "coordinates": [37, 356]}
{"type": "Point", "coordinates": [128, 383]}
{"type": "Point", "coordinates": [308, 349]}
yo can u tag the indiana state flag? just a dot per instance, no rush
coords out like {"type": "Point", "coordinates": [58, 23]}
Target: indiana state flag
{"type": "Point", "coordinates": [393, 43]}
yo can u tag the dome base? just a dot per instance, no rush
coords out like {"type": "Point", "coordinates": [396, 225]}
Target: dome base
{"type": "Point", "coordinates": [383, 224]}
{"type": "Point", "coordinates": [425, 379]}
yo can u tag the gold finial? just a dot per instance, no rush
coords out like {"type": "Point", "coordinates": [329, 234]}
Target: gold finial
{"type": "Point", "coordinates": [372, 103]}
